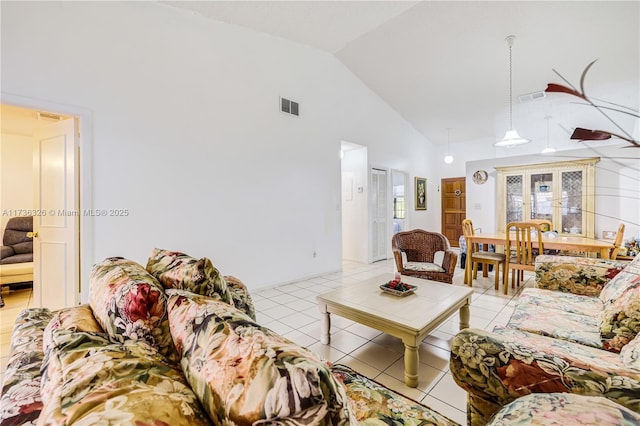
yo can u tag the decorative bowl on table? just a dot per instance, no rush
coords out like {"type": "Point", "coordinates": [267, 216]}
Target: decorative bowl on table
{"type": "Point", "coordinates": [398, 288]}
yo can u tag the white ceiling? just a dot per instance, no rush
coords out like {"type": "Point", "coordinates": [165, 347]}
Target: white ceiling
{"type": "Point", "coordinates": [445, 64]}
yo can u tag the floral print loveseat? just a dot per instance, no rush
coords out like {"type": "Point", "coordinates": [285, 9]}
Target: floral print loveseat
{"type": "Point", "coordinates": [176, 343]}
{"type": "Point", "coordinates": [575, 332]}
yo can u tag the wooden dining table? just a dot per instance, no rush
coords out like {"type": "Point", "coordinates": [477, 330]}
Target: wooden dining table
{"type": "Point", "coordinates": [560, 242]}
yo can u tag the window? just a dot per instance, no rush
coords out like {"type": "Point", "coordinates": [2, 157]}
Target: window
{"type": "Point", "coordinates": [398, 207]}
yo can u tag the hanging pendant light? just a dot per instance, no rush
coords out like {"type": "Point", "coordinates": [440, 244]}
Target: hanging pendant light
{"type": "Point", "coordinates": [548, 149]}
{"type": "Point", "coordinates": [511, 138]}
{"type": "Point", "coordinates": [448, 159]}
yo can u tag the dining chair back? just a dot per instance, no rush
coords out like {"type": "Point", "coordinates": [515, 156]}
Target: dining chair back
{"type": "Point", "coordinates": [617, 243]}
{"type": "Point", "coordinates": [477, 256]}
{"type": "Point", "coordinates": [522, 243]}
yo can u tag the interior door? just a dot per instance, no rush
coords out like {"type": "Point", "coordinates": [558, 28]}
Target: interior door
{"type": "Point", "coordinates": [55, 242]}
{"type": "Point", "coordinates": [454, 206]}
{"type": "Point", "coordinates": [379, 215]}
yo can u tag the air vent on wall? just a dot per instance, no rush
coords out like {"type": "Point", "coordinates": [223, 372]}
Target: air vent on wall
{"type": "Point", "coordinates": [531, 96]}
{"type": "Point", "coordinates": [289, 107]}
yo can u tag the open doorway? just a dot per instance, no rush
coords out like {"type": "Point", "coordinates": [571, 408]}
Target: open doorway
{"type": "Point", "coordinates": [40, 149]}
{"type": "Point", "coordinates": [399, 189]}
{"type": "Point", "coordinates": [355, 234]}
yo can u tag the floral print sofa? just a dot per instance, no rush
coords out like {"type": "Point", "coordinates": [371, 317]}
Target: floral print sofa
{"type": "Point", "coordinates": [176, 343]}
{"type": "Point", "coordinates": [576, 332]}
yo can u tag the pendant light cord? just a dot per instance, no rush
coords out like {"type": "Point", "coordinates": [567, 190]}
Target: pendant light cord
{"type": "Point", "coordinates": [510, 42]}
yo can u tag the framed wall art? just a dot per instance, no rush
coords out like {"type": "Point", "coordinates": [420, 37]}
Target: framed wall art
{"type": "Point", "coordinates": [421, 193]}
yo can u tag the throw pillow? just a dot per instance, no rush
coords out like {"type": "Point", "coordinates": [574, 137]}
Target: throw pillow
{"type": "Point", "coordinates": [130, 304]}
{"type": "Point", "coordinates": [180, 271]}
{"type": "Point", "coordinates": [243, 373]}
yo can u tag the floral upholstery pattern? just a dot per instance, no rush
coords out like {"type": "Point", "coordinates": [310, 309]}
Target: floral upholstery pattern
{"type": "Point", "coordinates": [557, 341]}
{"type": "Point", "coordinates": [240, 295]}
{"type": "Point", "coordinates": [244, 373]}
{"type": "Point", "coordinates": [183, 272]}
{"type": "Point", "coordinates": [374, 404]}
{"type": "Point", "coordinates": [577, 275]}
{"type": "Point", "coordinates": [21, 403]}
{"type": "Point", "coordinates": [115, 383]}
{"type": "Point", "coordinates": [129, 303]}
{"type": "Point", "coordinates": [556, 323]}
{"type": "Point", "coordinates": [76, 318]}
{"type": "Point", "coordinates": [619, 321]}
{"type": "Point", "coordinates": [621, 281]}
{"type": "Point", "coordinates": [497, 367]}
{"type": "Point", "coordinates": [566, 302]}
{"type": "Point", "coordinates": [564, 409]}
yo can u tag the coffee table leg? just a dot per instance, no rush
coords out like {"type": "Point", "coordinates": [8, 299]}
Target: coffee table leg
{"type": "Point", "coordinates": [325, 325]}
{"type": "Point", "coordinates": [464, 316]}
{"type": "Point", "coordinates": [410, 365]}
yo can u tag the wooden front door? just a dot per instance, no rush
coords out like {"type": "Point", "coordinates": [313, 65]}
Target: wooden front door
{"type": "Point", "coordinates": [453, 208]}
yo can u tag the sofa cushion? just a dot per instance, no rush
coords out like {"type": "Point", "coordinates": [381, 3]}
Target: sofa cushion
{"type": "Point", "coordinates": [17, 258]}
{"type": "Point", "coordinates": [12, 237]}
{"type": "Point", "coordinates": [423, 267]}
{"type": "Point", "coordinates": [130, 304]}
{"type": "Point", "coordinates": [6, 251]}
{"type": "Point", "coordinates": [23, 248]}
{"type": "Point", "coordinates": [116, 383]}
{"type": "Point", "coordinates": [556, 323]}
{"type": "Point", "coordinates": [619, 321]}
{"type": "Point", "coordinates": [247, 374]}
{"type": "Point", "coordinates": [566, 302]}
{"type": "Point", "coordinates": [180, 271]}
{"type": "Point", "coordinates": [563, 409]}
{"type": "Point", "coordinates": [620, 282]}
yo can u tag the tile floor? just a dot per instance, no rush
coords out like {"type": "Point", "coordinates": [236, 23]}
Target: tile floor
{"type": "Point", "coordinates": [291, 310]}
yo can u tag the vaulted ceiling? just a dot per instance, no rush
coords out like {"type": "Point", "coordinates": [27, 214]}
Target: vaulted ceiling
{"type": "Point", "coordinates": [445, 64]}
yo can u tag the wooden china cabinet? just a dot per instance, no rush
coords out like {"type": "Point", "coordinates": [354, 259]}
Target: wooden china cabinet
{"type": "Point", "coordinates": [562, 192]}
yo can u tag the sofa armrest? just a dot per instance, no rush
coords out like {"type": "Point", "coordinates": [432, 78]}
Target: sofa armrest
{"type": "Point", "coordinates": [497, 367]}
{"type": "Point", "coordinates": [577, 275]}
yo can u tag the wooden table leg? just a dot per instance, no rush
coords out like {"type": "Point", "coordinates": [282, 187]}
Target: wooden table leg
{"type": "Point", "coordinates": [464, 315]}
{"type": "Point", "coordinates": [325, 325]}
{"type": "Point", "coordinates": [411, 364]}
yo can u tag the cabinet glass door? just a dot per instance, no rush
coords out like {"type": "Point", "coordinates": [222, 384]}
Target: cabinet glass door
{"type": "Point", "coordinates": [515, 198]}
{"type": "Point", "coordinates": [541, 196]}
{"type": "Point", "coordinates": [572, 202]}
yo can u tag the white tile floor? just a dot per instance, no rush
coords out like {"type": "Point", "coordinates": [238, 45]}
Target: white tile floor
{"type": "Point", "coordinates": [291, 310]}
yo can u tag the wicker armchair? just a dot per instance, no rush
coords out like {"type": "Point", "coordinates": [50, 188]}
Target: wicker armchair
{"type": "Point", "coordinates": [415, 255]}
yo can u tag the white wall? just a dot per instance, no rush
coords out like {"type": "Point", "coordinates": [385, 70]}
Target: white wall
{"type": "Point", "coordinates": [16, 177]}
{"type": "Point", "coordinates": [186, 133]}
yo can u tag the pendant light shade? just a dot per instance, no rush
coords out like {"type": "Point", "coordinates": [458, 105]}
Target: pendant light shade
{"type": "Point", "coordinates": [511, 137]}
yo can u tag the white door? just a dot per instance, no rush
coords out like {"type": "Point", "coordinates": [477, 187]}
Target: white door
{"type": "Point", "coordinates": [379, 214]}
{"type": "Point", "coordinates": [55, 227]}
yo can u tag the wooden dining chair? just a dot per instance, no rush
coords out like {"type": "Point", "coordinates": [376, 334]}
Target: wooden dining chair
{"type": "Point", "coordinates": [545, 225]}
{"type": "Point", "coordinates": [476, 256]}
{"type": "Point", "coordinates": [523, 241]}
{"type": "Point", "coordinates": [613, 254]}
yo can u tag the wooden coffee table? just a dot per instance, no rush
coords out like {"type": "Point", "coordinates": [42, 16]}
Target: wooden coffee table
{"type": "Point", "coordinates": [410, 318]}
